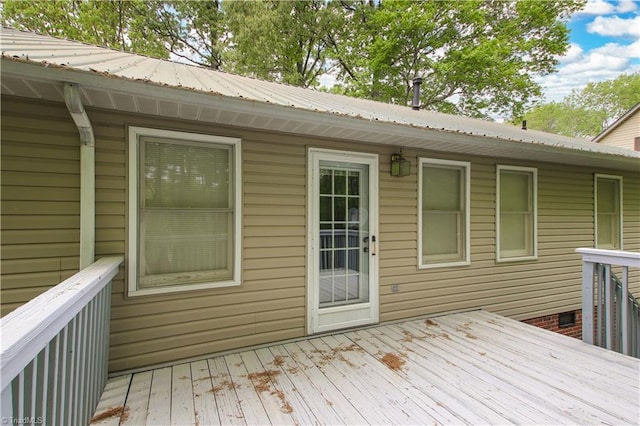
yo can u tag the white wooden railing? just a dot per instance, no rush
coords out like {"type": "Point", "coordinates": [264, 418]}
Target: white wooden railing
{"type": "Point", "coordinates": [54, 350]}
{"type": "Point", "coordinates": [610, 313]}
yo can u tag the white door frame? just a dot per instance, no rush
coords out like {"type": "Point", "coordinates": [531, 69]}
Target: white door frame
{"type": "Point", "coordinates": [339, 317]}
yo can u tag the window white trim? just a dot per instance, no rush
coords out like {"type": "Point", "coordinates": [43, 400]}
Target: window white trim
{"type": "Point", "coordinates": [133, 221]}
{"type": "Point", "coordinates": [467, 211]}
{"type": "Point", "coordinates": [595, 207]}
{"type": "Point", "coordinates": [534, 200]}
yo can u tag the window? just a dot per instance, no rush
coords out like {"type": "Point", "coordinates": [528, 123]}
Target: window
{"type": "Point", "coordinates": [516, 213]}
{"type": "Point", "coordinates": [184, 211]}
{"type": "Point", "coordinates": [443, 213]}
{"type": "Point", "coordinates": [566, 319]}
{"type": "Point", "coordinates": [608, 212]}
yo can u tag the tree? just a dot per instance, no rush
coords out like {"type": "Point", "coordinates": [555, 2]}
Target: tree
{"type": "Point", "coordinates": [114, 24]}
{"type": "Point", "coordinates": [587, 112]}
{"type": "Point", "coordinates": [278, 40]}
{"type": "Point", "coordinates": [194, 31]}
{"type": "Point", "coordinates": [475, 57]}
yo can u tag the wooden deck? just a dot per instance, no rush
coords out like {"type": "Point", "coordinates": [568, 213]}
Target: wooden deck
{"type": "Point", "coordinates": [467, 368]}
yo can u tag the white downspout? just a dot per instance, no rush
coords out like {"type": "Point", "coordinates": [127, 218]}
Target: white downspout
{"type": "Point", "coordinates": [87, 174]}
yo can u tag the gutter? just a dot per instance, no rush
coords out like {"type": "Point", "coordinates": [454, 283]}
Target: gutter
{"type": "Point", "coordinates": [87, 174]}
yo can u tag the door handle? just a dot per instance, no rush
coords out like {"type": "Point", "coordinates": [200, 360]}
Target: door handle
{"type": "Point", "coordinates": [365, 249]}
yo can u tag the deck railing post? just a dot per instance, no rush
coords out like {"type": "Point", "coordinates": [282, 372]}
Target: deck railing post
{"type": "Point", "coordinates": [617, 324]}
{"type": "Point", "coordinates": [588, 269]}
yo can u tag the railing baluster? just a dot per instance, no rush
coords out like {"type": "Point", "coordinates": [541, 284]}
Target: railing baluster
{"type": "Point", "coordinates": [90, 359]}
{"type": "Point", "coordinates": [56, 381]}
{"type": "Point", "coordinates": [608, 308]}
{"type": "Point", "coordinates": [34, 387]}
{"type": "Point", "coordinates": [45, 384]}
{"type": "Point", "coordinates": [600, 300]}
{"type": "Point", "coordinates": [63, 378]}
{"type": "Point", "coordinates": [21, 394]}
{"type": "Point", "coordinates": [624, 310]}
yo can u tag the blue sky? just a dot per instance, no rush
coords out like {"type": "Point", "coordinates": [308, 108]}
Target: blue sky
{"type": "Point", "coordinates": [605, 42]}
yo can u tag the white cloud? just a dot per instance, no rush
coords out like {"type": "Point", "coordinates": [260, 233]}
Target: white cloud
{"type": "Point", "coordinates": [620, 55]}
{"type": "Point", "coordinates": [574, 53]}
{"type": "Point", "coordinates": [627, 6]}
{"type": "Point", "coordinates": [602, 7]}
{"type": "Point", "coordinates": [578, 68]}
{"type": "Point", "coordinates": [597, 7]}
{"type": "Point", "coordinates": [631, 51]}
{"type": "Point", "coordinates": [614, 26]}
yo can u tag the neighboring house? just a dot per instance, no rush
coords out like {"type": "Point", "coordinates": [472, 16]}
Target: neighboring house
{"type": "Point", "coordinates": [624, 132]}
{"type": "Point", "coordinates": [250, 212]}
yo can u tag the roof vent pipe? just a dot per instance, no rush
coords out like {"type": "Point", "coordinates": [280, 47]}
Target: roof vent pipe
{"type": "Point", "coordinates": [416, 94]}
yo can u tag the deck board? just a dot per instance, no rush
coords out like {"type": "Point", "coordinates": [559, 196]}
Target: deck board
{"type": "Point", "coordinates": [138, 398]}
{"type": "Point", "coordinates": [473, 368]}
{"type": "Point", "coordinates": [204, 400]}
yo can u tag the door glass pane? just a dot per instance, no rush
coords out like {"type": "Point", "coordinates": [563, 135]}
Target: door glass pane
{"type": "Point", "coordinates": [344, 234]}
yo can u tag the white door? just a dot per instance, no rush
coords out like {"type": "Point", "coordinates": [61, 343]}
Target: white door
{"type": "Point", "coordinates": [343, 225]}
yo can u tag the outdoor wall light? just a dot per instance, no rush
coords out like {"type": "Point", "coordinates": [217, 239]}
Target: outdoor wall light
{"type": "Point", "coordinates": [400, 166]}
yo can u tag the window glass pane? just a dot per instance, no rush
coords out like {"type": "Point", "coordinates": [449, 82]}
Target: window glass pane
{"type": "Point", "coordinates": [440, 234]}
{"type": "Point", "coordinates": [186, 242]}
{"type": "Point", "coordinates": [514, 234]}
{"type": "Point", "coordinates": [441, 188]}
{"type": "Point", "coordinates": [608, 209]}
{"type": "Point", "coordinates": [516, 221]}
{"type": "Point", "coordinates": [179, 175]}
{"type": "Point", "coordinates": [607, 231]}
{"type": "Point", "coordinates": [443, 214]}
{"type": "Point", "coordinates": [186, 213]}
{"type": "Point", "coordinates": [515, 191]}
{"type": "Point", "coordinates": [607, 195]}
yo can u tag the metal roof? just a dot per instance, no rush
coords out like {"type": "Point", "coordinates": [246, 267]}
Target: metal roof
{"type": "Point", "coordinates": [35, 66]}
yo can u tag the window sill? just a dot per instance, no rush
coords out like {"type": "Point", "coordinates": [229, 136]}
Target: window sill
{"type": "Point", "coordinates": [182, 288]}
{"type": "Point", "coordinates": [516, 259]}
{"type": "Point", "coordinates": [443, 264]}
